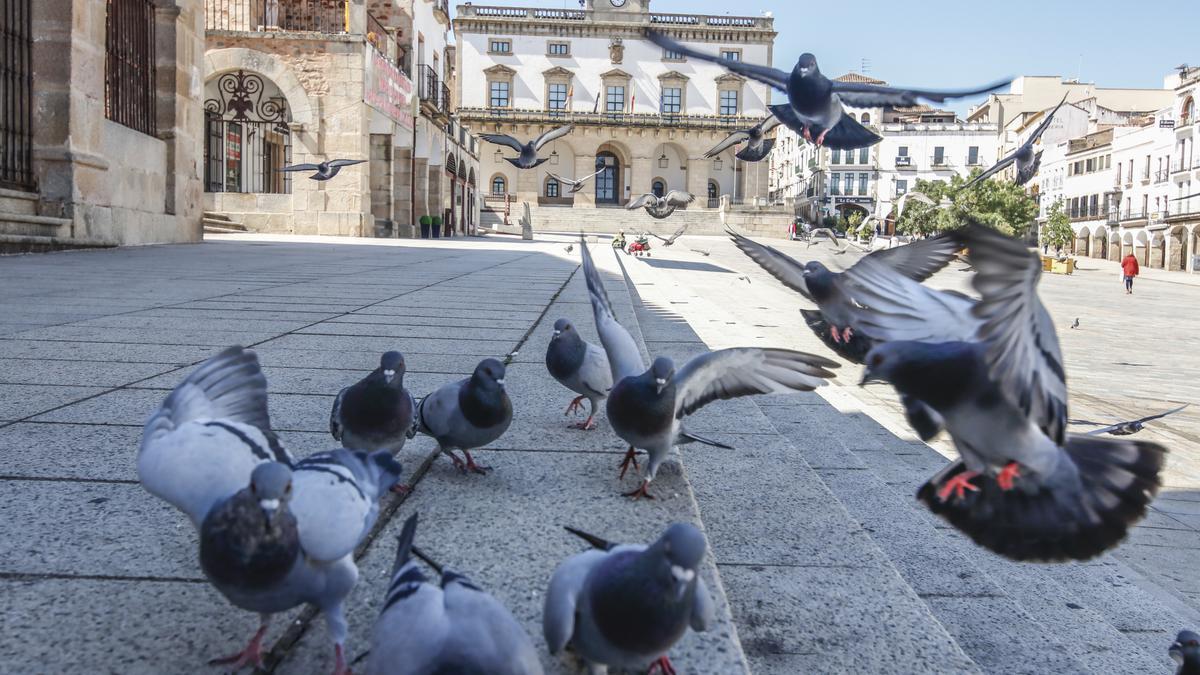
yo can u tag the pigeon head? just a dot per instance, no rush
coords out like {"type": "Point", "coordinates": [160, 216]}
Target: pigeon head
{"type": "Point", "coordinates": [489, 374]}
{"type": "Point", "coordinates": [883, 362]}
{"type": "Point", "coordinates": [562, 326]}
{"type": "Point", "coordinates": [814, 267]}
{"type": "Point", "coordinates": [662, 370]}
{"type": "Point", "coordinates": [391, 364]}
{"type": "Point", "coordinates": [807, 65]}
{"type": "Point", "coordinates": [1186, 648]}
{"type": "Point", "coordinates": [682, 546]}
{"type": "Point", "coordinates": [271, 485]}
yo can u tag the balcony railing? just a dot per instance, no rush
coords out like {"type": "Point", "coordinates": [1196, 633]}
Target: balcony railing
{"type": "Point", "coordinates": [940, 162]}
{"type": "Point", "coordinates": [903, 162]}
{"type": "Point", "coordinates": [1133, 214]}
{"type": "Point", "coordinates": [432, 92]}
{"type": "Point", "coordinates": [1161, 175]}
{"type": "Point", "coordinates": [317, 16]}
{"type": "Point", "coordinates": [531, 116]}
{"type": "Point", "coordinates": [1178, 165]}
{"type": "Point", "coordinates": [547, 14]}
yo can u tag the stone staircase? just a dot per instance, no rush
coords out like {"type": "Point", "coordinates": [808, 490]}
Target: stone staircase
{"type": "Point", "coordinates": [23, 230]}
{"type": "Point", "coordinates": [219, 223]}
{"type": "Point", "coordinates": [764, 222]}
{"type": "Point", "coordinates": [930, 601]}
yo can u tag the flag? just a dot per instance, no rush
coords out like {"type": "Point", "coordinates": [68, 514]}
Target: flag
{"type": "Point", "coordinates": [632, 102]}
{"type": "Point", "coordinates": [596, 108]}
{"type": "Point", "coordinates": [570, 96]}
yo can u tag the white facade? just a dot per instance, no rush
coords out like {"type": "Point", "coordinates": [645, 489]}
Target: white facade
{"type": "Point", "coordinates": [930, 151]}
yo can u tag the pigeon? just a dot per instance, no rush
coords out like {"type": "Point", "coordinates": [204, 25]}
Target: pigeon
{"type": "Point", "coordinates": [703, 253]}
{"type": "Point", "coordinates": [576, 184]}
{"type": "Point", "coordinates": [569, 248]}
{"type": "Point", "coordinates": [814, 106]}
{"type": "Point", "coordinates": [625, 605]}
{"type": "Point", "coordinates": [467, 414]}
{"type": "Point", "coordinates": [825, 233]}
{"type": "Point", "coordinates": [449, 627]}
{"type": "Point", "coordinates": [1131, 427]}
{"type": "Point", "coordinates": [579, 366]}
{"type": "Point", "coordinates": [758, 146]}
{"type": "Point", "coordinates": [1185, 651]}
{"type": "Point", "coordinates": [744, 278]}
{"type": "Point", "coordinates": [1075, 324]}
{"type": "Point", "coordinates": [646, 407]}
{"type": "Point", "coordinates": [324, 170]}
{"type": "Point", "coordinates": [668, 241]}
{"type": "Point", "coordinates": [1023, 487]}
{"type": "Point", "coordinates": [376, 413]}
{"type": "Point", "coordinates": [1026, 159]}
{"type": "Point", "coordinates": [274, 534]}
{"type": "Point", "coordinates": [916, 196]}
{"type": "Point", "coordinates": [917, 261]}
{"type": "Point", "coordinates": [529, 157]}
{"type": "Point", "coordinates": [661, 207]}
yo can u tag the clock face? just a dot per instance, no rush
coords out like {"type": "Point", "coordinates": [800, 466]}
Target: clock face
{"type": "Point", "coordinates": [617, 3]}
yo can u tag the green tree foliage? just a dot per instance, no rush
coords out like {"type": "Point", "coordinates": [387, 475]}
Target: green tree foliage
{"type": "Point", "coordinates": [995, 202]}
{"type": "Point", "coordinates": [1057, 231]}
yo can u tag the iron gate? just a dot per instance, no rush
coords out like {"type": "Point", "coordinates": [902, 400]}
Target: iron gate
{"type": "Point", "coordinates": [16, 94]}
{"type": "Point", "coordinates": [247, 140]}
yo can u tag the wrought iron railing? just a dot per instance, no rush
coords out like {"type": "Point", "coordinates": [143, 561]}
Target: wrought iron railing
{"type": "Point", "coordinates": [318, 16]}
{"type": "Point", "coordinates": [129, 68]}
{"type": "Point", "coordinates": [657, 19]}
{"type": "Point", "coordinates": [16, 94]}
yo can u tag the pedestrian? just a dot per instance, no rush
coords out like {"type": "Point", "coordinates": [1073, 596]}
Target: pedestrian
{"type": "Point", "coordinates": [1129, 270]}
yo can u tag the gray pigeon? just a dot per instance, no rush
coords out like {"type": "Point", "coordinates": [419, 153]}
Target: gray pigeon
{"type": "Point", "coordinates": [1186, 652]}
{"type": "Point", "coordinates": [814, 105]}
{"type": "Point", "coordinates": [1022, 488]}
{"type": "Point", "coordinates": [467, 414]}
{"type": "Point", "coordinates": [375, 413]}
{"type": "Point", "coordinates": [661, 207]}
{"type": "Point", "coordinates": [668, 241]}
{"type": "Point", "coordinates": [1132, 426]}
{"type": "Point", "coordinates": [579, 366]}
{"type": "Point", "coordinates": [646, 407]}
{"type": "Point", "coordinates": [454, 627]}
{"type": "Point", "coordinates": [626, 605]}
{"type": "Point", "coordinates": [758, 146]}
{"type": "Point", "coordinates": [324, 170]}
{"type": "Point", "coordinates": [1075, 324]}
{"type": "Point", "coordinates": [1026, 159]}
{"type": "Point", "coordinates": [576, 184]}
{"type": "Point", "coordinates": [528, 158]}
{"type": "Point", "coordinates": [824, 233]}
{"type": "Point", "coordinates": [207, 443]}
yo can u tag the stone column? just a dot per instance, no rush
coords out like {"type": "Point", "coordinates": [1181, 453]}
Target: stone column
{"type": "Point", "coordinates": [402, 202]}
{"type": "Point", "coordinates": [639, 180]}
{"type": "Point", "coordinates": [54, 100]}
{"type": "Point", "coordinates": [420, 179]}
{"type": "Point", "coordinates": [527, 188]}
{"type": "Point", "coordinates": [697, 181]}
{"type": "Point", "coordinates": [585, 165]}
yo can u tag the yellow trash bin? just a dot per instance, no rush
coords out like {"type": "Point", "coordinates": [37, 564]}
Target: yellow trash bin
{"type": "Point", "coordinates": [1063, 267]}
{"type": "Point", "coordinates": [1047, 261]}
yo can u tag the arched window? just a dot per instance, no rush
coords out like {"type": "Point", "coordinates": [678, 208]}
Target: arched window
{"type": "Point", "coordinates": [713, 189]}
{"type": "Point", "coordinates": [608, 180]}
{"type": "Point", "coordinates": [1188, 112]}
{"type": "Point", "coordinates": [866, 118]}
{"type": "Point", "coordinates": [658, 187]}
{"type": "Point", "coordinates": [551, 187]}
{"type": "Point", "coordinates": [499, 186]}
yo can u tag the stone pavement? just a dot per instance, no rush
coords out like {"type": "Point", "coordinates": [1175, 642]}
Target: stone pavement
{"type": "Point", "coordinates": [821, 560]}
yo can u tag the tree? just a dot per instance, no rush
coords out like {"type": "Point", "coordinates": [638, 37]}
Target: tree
{"type": "Point", "coordinates": [998, 203]}
{"type": "Point", "coordinates": [1057, 232]}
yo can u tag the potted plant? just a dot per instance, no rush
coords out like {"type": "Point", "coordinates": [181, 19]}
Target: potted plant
{"type": "Point", "coordinates": [425, 221]}
{"type": "Point", "coordinates": [437, 227]}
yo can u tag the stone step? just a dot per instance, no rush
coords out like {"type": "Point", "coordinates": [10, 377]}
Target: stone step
{"type": "Point", "coordinates": [216, 222]}
{"type": "Point", "coordinates": [20, 224]}
{"type": "Point", "coordinates": [11, 244]}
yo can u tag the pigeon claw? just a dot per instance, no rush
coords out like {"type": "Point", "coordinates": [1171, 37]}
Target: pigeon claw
{"type": "Point", "coordinates": [821, 138]}
{"type": "Point", "coordinates": [807, 134]}
{"type": "Point", "coordinates": [252, 655]}
{"type": "Point", "coordinates": [663, 665]}
{"type": "Point", "coordinates": [630, 458]}
{"type": "Point", "coordinates": [1005, 478]}
{"type": "Point", "coordinates": [586, 425]}
{"type": "Point", "coordinates": [575, 405]}
{"type": "Point", "coordinates": [958, 486]}
{"type": "Point", "coordinates": [638, 494]}
{"type": "Point", "coordinates": [402, 489]}
{"type": "Point", "coordinates": [473, 467]}
{"type": "Point", "coordinates": [340, 667]}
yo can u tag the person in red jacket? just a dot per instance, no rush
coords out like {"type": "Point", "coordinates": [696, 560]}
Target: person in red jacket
{"type": "Point", "coordinates": [1129, 268]}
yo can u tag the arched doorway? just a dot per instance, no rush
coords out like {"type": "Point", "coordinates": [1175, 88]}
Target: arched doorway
{"type": "Point", "coordinates": [658, 187]}
{"type": "Point", "coordinates": [246, 139]}
{"type": "Point", "coordinates": [1082, 237]}
{"type": "Point", "coordinates": [1114, 246]}
{"type": "Point", "coordinates": [1099, 246]}
{"type": "Point", "coordinates": [608, 181]}
{"type": "Point", "coordinates": [714, 194]}
{"type": "Point", "coordinates": [1177, 249]}
{"type": "Point", "coordinates": [1158, 251]}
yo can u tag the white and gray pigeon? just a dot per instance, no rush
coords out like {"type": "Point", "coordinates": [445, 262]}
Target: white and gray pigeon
{"type": "Point", "coordinates": [993, 372]}
{"type": "Point", "coordinates": [758, 146]}
{"type": "Point", "coordinates": [1129, 427]}
{"type": "Point", "coordinates": [377, 412]}
{"type": "Point", "coordinates": [646, 407]}
{"type": "Point", "coordinates": [915, 196]}
{"type": "Point", "coordinates": [625, 605]}
{"type": "Point", "coordinates": [208, 444]}
{"type": "Point", "coordinates": [1185, 651]}
{"type": "Point", "coordinates": [451, 627]}
{"type": "Point", "coordinates": [825, 233]}
{"type": "Point", "coordinates": [467, 414]}
{"type": "Point", "coordinates": [579, 366]}
{"type": "Point", "coordinates": [661, 207]}
{"type": "Point", "coordinates": [814, 102]}
{"type": "Point", "coordinates": [670, 241]}
{"type": "Point", "coordinates": [1024, 157]}
{"type": "Point", "coordinates": [528, 158]}
{"type": "Point", "coordinates": [325, 170]}
{"type": "Point", "coordinates": [576, 184]}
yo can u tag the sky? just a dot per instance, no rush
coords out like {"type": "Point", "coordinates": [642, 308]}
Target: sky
{"type": "Point", "coordinates": [1112, 43]}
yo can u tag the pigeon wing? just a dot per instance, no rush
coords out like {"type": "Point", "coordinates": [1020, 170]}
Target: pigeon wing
{"type": "Point", "coordinates": [730, 373]}
{"type": "Point", "coordinates": [552, 135]}
{"type": "Point", "coordinates": [1023, 354]}
{"type": "Point", "coordinates": [889, 306]}
{"type": "Point", "coordinates": [679, 198]}
{"type": "Point", "coordinates": [768, 124]}
{"type": "Point", "coordinates": [788, 116]}
{"type": "Point", "coordinates": [678, 233]}
{"type": "Point", "coordinates": [921, 259]}
{"type": "Point", "coordinates": [764, 74]}
{"type": "Point", "coordinates": [335, 416]}
{"type": "Point", "coordinates": [1118, 425]}
{"type": "Point", "coordinates": [624, 357]}
{"type": "Point", "coordinates": [991, 171]}
{"type": "Point", "coordinates": [730, 141]}
{"type": "Point", "coordinates": [335, 502]}
{"type": "Point", "coordinates": [503, 139]}
{"type": "Point", "coordinates": [562, 597]}
{"type": "Point", "coordinates": [849, 134]}
{"type": "Point", "coordinates": [861, 95]}
{"type": "Point", "coordinates": [301, 167]}
{"type": "Point", "coordinates": [752, 154]}
{"type": "Point", "coordinates": [641, 202]}
{"type": "Point", "coordinates": [1045, 124]}
{"type": "Point", "coordinates": [338, 163]}
{"type": "Point", "coordinates": [783, 267]}
{"type": "Point", "coordinates": [704, 610]}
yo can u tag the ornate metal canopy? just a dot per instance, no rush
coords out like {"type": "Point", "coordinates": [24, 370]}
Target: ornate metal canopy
{"type": "Point", "coordinates": [240, 99]}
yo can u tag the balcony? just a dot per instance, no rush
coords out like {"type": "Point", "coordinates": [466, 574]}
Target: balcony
{"type": "Point", "coordinates": [904, 162]}
{"type": "Point", "coordinates": [433, 94]}
{"type": "Point", "coordinates": [300, 16]}
{"type": "Point", "coordinates": [670, 121]}
{"type": "Point", "coordinates": [1178, 165]}
{"type": "Point", "coordinates": [1146, 176]}
{"type": "Point", "coordinates": [548, 15]}
{"type": "Point", "coordinates": [939, 162]}
{"type": "Point", "coordinates": [1189, 207]}
{"type": "Point", "coordinates": [441, 10]}
{"type": "Point", "coordinates": [1132, 214]}
{"type": "Point", "coordinates": [1161, 176]}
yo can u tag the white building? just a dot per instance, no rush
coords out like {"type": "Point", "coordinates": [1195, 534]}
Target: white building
{"type": "Point", "coordinates": [1183, 215]}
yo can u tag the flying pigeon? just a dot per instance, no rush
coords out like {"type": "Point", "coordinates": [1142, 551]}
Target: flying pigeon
{"type": "Point", "coordinates": [826, 233]}
{"type": "Point", "coordinates": [529, 151]}
{"type": "Point", "coordinates": [324, 170]}
{"type": "Point", "coordinates": [579, 366]}
{"type": "Point", "coordinates": [916, 196]}
{"type": "Point", "coordinates": [449, 627]}
{"type": "Point", "coordinates": [1026, 159]}
{"type": "Point", "coordinates": [376, 413]}
{"type": "Point", "coordinates": [625, 605]}
{"type": "Point", "coordinates": [1075, 324]}
{"type": "Point", "coordinates": [467, 414]}
{"type": "Point", "coordinates": [758, 146]}
{"type": "Point", "coordinates": [1131, 427]}
{"type": "Point", "coordinates": [703, 253]}
{"type": "Point", "coordinates": [1022, 487]}
{"type": "Point", "coordinates": [917, 261]}
{"type": "Point", "coordinates": [274, 534]}
{"type": "Point", "coordinates": [576, 184]}
{"type": "Point", "coordinates": [1185, 651]}
{"type": "Point", "coordinates": [668, 241]}
{"type": "Point", "coordinates": [646, 407]}
{"type": "Point", "coordinates": [814, 106]}
{"type": "Point", "coordinates": [664, 206]}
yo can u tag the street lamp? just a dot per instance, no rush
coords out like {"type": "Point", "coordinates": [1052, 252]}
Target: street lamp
{"type": "Point", "coordinates": [554, 157]}
{"type": "Point", "coordinates": [717, 164]}
{"type": "Point", "coordinates": [663, 162]}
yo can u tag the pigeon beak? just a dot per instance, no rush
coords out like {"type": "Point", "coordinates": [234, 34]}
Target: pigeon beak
{"type": "Point", "coordinates": [660, 383]}
{"type": "Point", "coordinates": [869, 377]}
{"type": "Point", "coordinates": [557, 333]}
{"type": "Point", "coordinates": [388, 375]}
{"type": "Point", "coordinates": [500, 382]}
{"type": "Point", "coordinates": [269, 507]}
{"type": "Point", "coordinates": [683, 580]}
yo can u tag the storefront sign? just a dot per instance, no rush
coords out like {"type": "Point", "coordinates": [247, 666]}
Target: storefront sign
{"type": "Point", "coordinates": [388, 90]}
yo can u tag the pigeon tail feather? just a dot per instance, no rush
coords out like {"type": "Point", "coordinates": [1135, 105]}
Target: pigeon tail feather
{"type": "Point", "coordinates": [849, 134]}
{"type": "Point", "coordinates": [1105, 487]}
{"type": "Point", "coordinates": [229, 386]}
{"type": "Point", "coordinates": [596, 542]}
{"type": "Point", "coordinates": [689, 437]}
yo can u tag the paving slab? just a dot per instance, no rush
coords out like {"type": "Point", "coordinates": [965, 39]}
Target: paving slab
{"type": "Point", "coordinates": [18, 401]}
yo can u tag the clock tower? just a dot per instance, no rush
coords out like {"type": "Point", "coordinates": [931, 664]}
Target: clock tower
{"type": "Point", "coordinates": [618, 10]}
